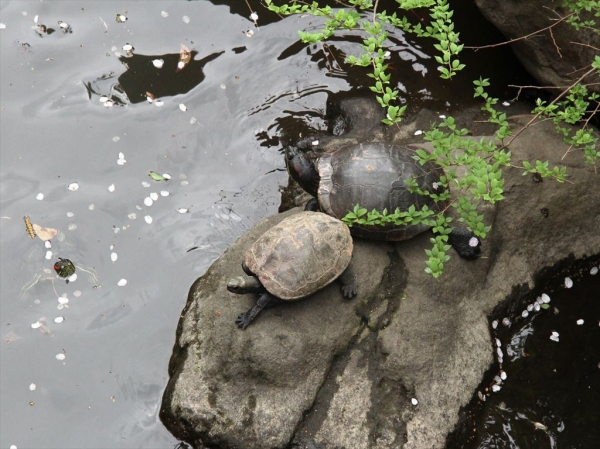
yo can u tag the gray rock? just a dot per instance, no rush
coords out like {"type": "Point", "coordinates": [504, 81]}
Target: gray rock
{"type": "Point", "coordinates": [556, 59]}
{"type": "Point", "coordinates": [328, 373]}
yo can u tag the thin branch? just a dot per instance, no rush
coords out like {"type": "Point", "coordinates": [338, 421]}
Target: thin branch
{"type": "Point", "coordinates": [551, 103]}
{"type": "Point", "coordinates": [522, 37]}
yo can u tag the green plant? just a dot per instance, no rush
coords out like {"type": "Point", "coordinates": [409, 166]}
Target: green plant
{"type": "Point", "coordinates": [440, 28]}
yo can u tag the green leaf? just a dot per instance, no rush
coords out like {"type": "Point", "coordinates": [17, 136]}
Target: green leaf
{"type": "Point", "coordinates": [155, 176]}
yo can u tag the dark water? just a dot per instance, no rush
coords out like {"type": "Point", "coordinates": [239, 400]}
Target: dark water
{"type": "Point", "coordinates": [221, 154]}
{"type": "Point", "coordinates": [550, 397]}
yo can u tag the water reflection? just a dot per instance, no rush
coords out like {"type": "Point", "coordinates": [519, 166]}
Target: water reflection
{"type": "Point", "coordinates": [142, 76]}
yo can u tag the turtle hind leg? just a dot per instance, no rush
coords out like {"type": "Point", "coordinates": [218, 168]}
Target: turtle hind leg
{"type": "Point", "coordinates": [348, 281]}
{"type": "Point", "coordinates": [266, 299]}
{"type": "Point", "coordinates": [465, 243]}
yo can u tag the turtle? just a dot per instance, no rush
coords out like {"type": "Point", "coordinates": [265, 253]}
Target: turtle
{"type": "Point", "coordinates": [372, 174]}
{"type": "Point", "coordinates": [295, 258]}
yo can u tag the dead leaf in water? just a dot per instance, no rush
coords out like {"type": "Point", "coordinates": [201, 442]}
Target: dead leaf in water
{"type": "Point", "coordinates": [44, 233]}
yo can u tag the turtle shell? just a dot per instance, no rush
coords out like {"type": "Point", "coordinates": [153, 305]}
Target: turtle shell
{"type": "Point", "coordinates": [301, 254]}
{"type": "Point", "coordinates": [373, 175]}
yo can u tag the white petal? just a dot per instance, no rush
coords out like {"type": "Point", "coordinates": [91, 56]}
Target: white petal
{"type": "Point", "coordinates": [122, 283]}
{"type": "Point", "coordinates": [39, 197]}
{"type": "Point", "coordinates": [114, 257]}
{"type": "Point", "coordinates": [36, 325]}
{"type": "Point", "coordinates": [73, 187]}
{"type": "Point", "coordinates": [182, 210]}
{"type": "Point", "coordinates": [63, 300]}
{"type": "Point", "coordinates": [121, 161]}
{"type": "Point", "coordinates": [579, 322]}
{"type": "Point", "coordinates": [166, 176]}
{"type": "Point", "coordinates": [48, 255]}
{"type": "Point", "coordinates": [47, 244]}
{"type": "Point", "coordinates": [594, 271]}
{"type": "Point", "coordinates": [148, 219]}
{"type": "Point", "coordinates": [418, 132]}
{"type": "Point", "coordinates": [32, 387]}
{"type": "Point", "coordinates": [58, 319]}
{"type": "Point", "coordinates": [185, 19]}
{"type": "Point", "coordinates": [154, 196]}
{"type": "Point", "coordinates": [164, 193]}
{"type": "Point", "coordinates": [182, 107]}
{"type": "Point", "coordinates": [60, 356]}
{"type": "Point", "coordinates": [505, 103]}
{"type": "Point", "coordinates": [545, 298]}
{"type": "Point", "coordinates": [254, 16]}
{"type": "Point", "coordinates": [568, 282]}
{"type": "Point", "coordinates": [148, 201]}
{"type": "Point", "coordinates": [158, 63]}
{"type": "Point", "coordinates": [111, 188]}
{"type": "Point", "coordinates": [72, 278]}
{"type": "Point", "coordinates": [496, 388]}
{"type": "Point", "coordinates": [164, 13]}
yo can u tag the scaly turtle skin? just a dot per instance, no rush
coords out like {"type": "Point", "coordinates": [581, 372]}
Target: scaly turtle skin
{"type": "Point", "coordinates": [294, 259]}
{"type": "Point", "coordinates": [371, 175]}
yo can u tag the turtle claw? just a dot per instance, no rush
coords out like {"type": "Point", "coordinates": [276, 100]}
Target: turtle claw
{"type": "Point", "coordinates": [242, 320]}
{"type": "Point", "coordinates": [349, 291]}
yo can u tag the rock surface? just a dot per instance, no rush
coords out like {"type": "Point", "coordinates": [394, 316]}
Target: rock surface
{"type": "Point", "coordinates": [328, 373]}
{"type": "Point", "coordinates": [556, 57]}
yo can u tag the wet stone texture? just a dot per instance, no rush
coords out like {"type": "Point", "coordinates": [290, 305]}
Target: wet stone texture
{"type": "Point", "coordinates": [325, 372]}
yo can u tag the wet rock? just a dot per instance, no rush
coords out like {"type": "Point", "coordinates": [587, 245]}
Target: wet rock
{"type": "Point", "coordinates": [325, 372]}
{"type": "Point", "coordinates": [554, 59]}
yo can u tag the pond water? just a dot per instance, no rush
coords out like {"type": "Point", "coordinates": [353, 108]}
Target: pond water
{"type": "Point", "coordinates": [543, 392]}
{"type": "Point", "coordinates": [84, 364]}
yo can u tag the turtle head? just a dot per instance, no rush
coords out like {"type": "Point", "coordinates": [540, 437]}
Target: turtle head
{"type": "Point", "coordinates": [301, 168]}
{"type": "Point", "coordinates": [244, 284]}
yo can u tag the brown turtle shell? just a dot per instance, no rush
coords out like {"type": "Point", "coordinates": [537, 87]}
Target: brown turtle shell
{"type": "Point", "coordinates": [301, 254]}
{"type": "Point", "coordinates": [372, 175]}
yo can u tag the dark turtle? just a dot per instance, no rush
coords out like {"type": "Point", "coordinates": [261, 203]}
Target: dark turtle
{"type": "Point", "coordinates": [294, 259]}
{"type": "Point", "coordinates": [371, 175]}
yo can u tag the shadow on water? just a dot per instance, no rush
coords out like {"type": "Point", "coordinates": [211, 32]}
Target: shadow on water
{"type": "Point", "coordinates": [543, 392]}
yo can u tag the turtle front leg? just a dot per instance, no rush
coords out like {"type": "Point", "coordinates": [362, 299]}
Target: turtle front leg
{"type": "Point", "coordinates": [465, 243]}
{"type": "Point", "coordinates": [266, 299]}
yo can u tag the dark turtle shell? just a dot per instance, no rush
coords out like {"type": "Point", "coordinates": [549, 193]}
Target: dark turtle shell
{"type": "Point", "coordinates": [301, 254]}
{"type": "Point", "coordinates": [373, 175]}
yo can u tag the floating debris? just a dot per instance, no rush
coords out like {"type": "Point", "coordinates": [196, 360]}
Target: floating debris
{"type": "Point", "coordinates": [44, 234]}
{"type": "Point", "coordinates": [185, 56]}
{"type": "Point", "coordinates": [65, 27]}
{"type": "Point", "coordinates": [128, 49]}
{"type": "Point", "coordinates": [29, 227]}
{"type": "Point", "coordinates": [121, 18]}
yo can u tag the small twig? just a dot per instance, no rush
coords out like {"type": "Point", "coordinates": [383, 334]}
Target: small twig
{"type": "Point", "coordinates": [586, 45]}
{"type": "Point", "coordinates": [522, 37]}
{"type": "Point", "coordinates": [554, 42]}
{"type": "Point", "coordinates": [551, 103]}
